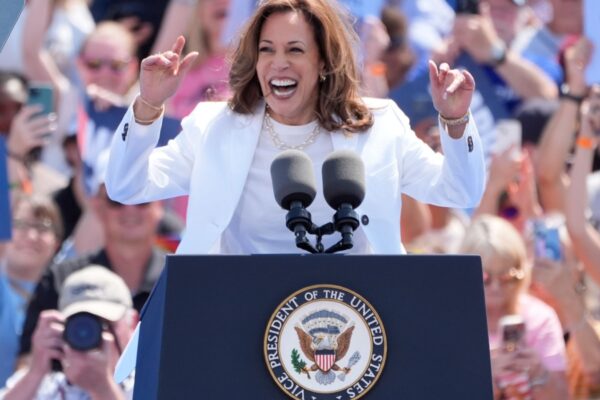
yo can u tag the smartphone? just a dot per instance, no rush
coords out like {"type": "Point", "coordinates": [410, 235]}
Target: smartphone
{"type": "Point", "coordinates": [508, 134]}
{"type": "Point", "coordinates": [467, 7]}
{"type": "Point", "coordinates": [512, 328]}
{"type": "Point", "coordinates": [43, 96]}
{"type": "Point", "coordinates": [546, 241]}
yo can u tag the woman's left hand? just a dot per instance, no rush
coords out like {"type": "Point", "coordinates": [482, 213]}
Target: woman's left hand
{"type": "Point", "coordinates": [451, 90]}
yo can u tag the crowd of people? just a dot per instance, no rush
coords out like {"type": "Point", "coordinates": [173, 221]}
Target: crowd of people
{"type": "Point", "coordinates": [499, 161]}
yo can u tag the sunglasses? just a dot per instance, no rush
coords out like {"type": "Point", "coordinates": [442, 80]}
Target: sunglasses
{"type": "Point", "coordinates": [115, 66]}
{"type": "Point", "coordinates": [41, 226]}
{"type": "Point", "coordinates": [512, 276]}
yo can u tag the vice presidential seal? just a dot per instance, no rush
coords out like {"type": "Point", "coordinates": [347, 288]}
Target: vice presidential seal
{"type": "Point", "coordinates": [325, 342]}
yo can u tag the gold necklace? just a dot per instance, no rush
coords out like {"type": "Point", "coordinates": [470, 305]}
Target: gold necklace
{"type": "Point", "coordinates": [281, 145]}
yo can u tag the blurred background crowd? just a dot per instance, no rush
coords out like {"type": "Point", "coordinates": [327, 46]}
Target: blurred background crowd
{"type": "Point", "coordinates": [70, 69]}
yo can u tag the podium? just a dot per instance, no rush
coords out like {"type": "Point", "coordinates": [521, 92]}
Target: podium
{"type": "Point", "coordinates": [203, 331]}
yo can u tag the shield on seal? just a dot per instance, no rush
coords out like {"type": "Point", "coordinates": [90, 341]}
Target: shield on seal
{"type": "Point", "coordinates": [325, 359]}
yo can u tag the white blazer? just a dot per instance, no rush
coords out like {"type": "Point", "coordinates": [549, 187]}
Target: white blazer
{"type": "Point", "coordinates": [210, 158]}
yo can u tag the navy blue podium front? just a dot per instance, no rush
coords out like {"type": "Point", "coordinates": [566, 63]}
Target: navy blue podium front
{"type": "Point", "coordinates": [211, 326]}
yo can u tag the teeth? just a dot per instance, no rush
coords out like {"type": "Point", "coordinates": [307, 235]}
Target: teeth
{"type": "Point", "coordinates": [283, 82]}
{"type": "Point", "coordinates": [284, 92]}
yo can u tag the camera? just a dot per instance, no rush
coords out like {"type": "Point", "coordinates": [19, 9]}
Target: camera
{"type": "Point", "coordinates": [83, 331]}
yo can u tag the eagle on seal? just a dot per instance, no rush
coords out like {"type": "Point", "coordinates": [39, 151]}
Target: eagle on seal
{"type": "Point", "coordinates": [325, 343]}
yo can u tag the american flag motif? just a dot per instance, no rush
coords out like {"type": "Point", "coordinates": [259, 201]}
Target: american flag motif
{"type": "Point", "coordinates": [325, 359]}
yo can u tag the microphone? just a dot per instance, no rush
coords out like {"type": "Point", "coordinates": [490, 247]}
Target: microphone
{"type": "Point", "coordinates": [344, 190]}
{"type": "Point", "coordinates": [295, 189]}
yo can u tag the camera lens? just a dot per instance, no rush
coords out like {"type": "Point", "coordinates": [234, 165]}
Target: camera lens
{"type": "Point", "coordinates": [83, 331]}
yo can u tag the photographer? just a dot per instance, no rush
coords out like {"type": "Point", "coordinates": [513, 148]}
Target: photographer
{"type": "Point", "coordinates": [94, 303]}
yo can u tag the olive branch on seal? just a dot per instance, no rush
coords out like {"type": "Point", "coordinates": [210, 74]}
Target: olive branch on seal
{"type": "Point", "coordinates": [298, 363]}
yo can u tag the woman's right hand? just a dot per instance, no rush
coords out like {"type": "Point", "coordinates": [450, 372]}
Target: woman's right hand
{"type": "Point", "coordinates": [161, 73]}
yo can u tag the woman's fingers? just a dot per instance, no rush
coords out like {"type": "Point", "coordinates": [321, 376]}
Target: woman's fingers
{"type": "Point", "coordinates": [444, 69]}
{"type": "Point", "coordinates": [178, 45]}
{"type": "Point", "coordinates": [433, 72]}
{"type": "Point", "coordinates": [456, 82]}
{"type": "Point", "coordinates": [150, 60]}
{"type": "Point", "coordinates": [188, 61]}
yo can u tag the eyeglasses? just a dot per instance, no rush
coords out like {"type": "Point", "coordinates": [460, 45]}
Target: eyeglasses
{"type": "Point", "coordinates": [96, 64]}
{"type": "Point", "coordinates": [512, 276]}
{"type": "Point", "coordinates": [41, 226]}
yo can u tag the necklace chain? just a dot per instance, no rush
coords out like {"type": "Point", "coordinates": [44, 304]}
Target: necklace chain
{"type": "Point", "coordinates": [281, 145]}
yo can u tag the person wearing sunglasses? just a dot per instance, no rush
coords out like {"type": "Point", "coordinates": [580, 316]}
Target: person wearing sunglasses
{"type": "Point", "coordinates": [108, 64]}
{"type": "Point", "coordinates": [539, 363]}
{"type": "Point", "coordinates": [101, 299]}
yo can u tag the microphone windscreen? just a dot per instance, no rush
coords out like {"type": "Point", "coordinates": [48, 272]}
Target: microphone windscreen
{"type": "Point", "coordinates": [293, 178]}
{"type": "Point", "coordinates": [343, 179]}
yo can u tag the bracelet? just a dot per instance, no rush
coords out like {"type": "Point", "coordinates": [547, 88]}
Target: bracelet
{"type": "Point", "coordinates": [146, 121]}
{"type": "Point", "coordinates": [159, 112]}
{"type": "Point", "coordinates": [585, 142]}
{"type": "Point", "coordinates": [153, 107]}
{"type": "Point", "coordinates": [455, 122]}
{"type": "Point", "coordinates": [377, 69]}
{"type": "Point", "coordinates": [565, 93]}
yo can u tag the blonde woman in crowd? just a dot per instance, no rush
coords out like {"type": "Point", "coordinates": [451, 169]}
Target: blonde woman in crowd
{"type": "Point", "coordinates": [538, 364]}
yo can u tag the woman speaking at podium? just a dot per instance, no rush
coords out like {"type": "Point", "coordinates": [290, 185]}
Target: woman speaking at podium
{"type": "Point", "coordinates": [294, 81]}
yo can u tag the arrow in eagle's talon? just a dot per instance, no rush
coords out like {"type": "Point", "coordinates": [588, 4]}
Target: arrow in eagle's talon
{"type": "Point", "coordinates": [306, 371]}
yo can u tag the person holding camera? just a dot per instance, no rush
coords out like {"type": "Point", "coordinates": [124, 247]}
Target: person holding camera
{"type": "Point", "coordinates": [86, 336]}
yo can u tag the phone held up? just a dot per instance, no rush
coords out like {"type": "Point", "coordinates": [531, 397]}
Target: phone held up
{"type": "Point", "coordinates": [514, 384]}
{"type": "Point", "coordinates": [546, 240]}
{"type": "Point", "coordinates": [43, 96]}
{"type": "Point", "coordinates": [512, 328]}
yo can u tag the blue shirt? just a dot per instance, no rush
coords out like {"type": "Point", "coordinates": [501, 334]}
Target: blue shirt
{"type": "Point", "coordinates": [12, 316]}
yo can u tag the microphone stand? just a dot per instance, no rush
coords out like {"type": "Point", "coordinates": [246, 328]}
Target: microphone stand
{"type": "Point", "coordinates": [298, 220]}
{"type": "Point", "coordinates": [345, 220]}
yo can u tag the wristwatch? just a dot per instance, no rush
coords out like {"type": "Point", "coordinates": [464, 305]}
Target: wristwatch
{"type": "Point", "coordinates": [565, 93]}
{"type": "Point", "coordinates": [497, 54]}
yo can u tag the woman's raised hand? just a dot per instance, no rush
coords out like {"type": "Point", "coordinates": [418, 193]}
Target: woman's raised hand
{"type": "Point", "coordinates": [451, 90]}
{"type": "Point", "coordinates": [161, 73]}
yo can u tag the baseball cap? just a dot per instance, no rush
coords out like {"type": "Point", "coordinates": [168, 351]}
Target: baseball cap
{"type": "Point", "coordinates": [95, 290]}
